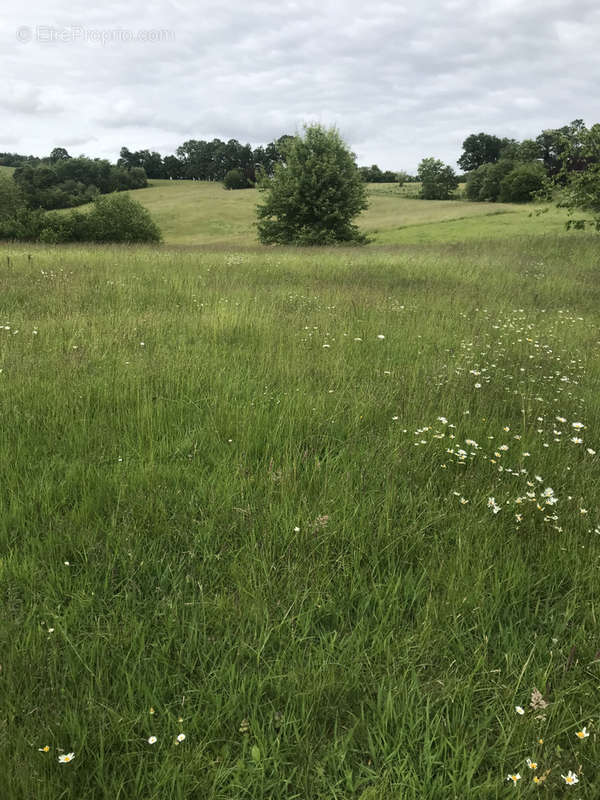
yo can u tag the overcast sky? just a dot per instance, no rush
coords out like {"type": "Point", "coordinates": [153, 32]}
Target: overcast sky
{"type": "Point", "coordinates": [401, 82]}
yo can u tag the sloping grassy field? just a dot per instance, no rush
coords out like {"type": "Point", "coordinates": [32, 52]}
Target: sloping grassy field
{"type": "Point", "coordinates": [330, 517]}
{"type": "Point", "coordinates": [204, 213]}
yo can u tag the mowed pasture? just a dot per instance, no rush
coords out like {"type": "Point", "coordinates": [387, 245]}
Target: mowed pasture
{"type": "Point", "coordinates": [328, 516]}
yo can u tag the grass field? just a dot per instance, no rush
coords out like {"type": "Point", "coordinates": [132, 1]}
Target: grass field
{"type": "Point", "coordinates": [204, 213]}
{"type": "Point", "coordinates": [331, 514]}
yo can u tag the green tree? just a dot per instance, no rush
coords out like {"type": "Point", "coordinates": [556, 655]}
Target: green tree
{"type": "Point", "coordinates": [172, 166]}
{"type": "Point", "coordinates": [59, 154]}
{"type": "Point", "coordinates": [528, 150]}
{"type": "Point", "coordinates": [481, 148]}
{"type": "Point", "coordinates": [564, 150]}
{"type": "Point", "coordinates": [314, 194]}
{"type": "Point", "coordinates": [438, 180]}
{"type": "Point", "coordinates": [581, 191]}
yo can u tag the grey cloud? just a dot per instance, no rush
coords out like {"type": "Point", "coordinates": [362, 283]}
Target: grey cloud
{"type": "Point", "coordinates": [400, 82]}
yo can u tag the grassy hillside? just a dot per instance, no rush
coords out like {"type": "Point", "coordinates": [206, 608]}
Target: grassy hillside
{"type": "Point", "coordinates": [333, 516]}
{"type": "Point", "coordinates": [204, 213]}
{"type": "Point", "coordinates": [194, 212]}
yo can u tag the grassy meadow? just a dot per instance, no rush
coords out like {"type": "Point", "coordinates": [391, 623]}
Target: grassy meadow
{"type": "Point", "coordinates": [331, 517]}
{"type": "Point", "coordinates": [204, 213]}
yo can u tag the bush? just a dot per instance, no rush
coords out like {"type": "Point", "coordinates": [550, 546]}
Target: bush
{"type": "Point", "coordinates": [64, 228]}
{"type": "Point", "coordinates": [522, 183]}
{"type": "Point", "coordinates": [114, 218]}
{"type": "Point", "coordinates": [492, 178]}
{"type": "Point", "coordinates": [119, 218]}
{"type": "Point", "coordinates": [475, 182]}
{"type": "Point", "coordinates": [483, 184]}
{"type": "Point", "coordinates": [235, 179]}
{"type": "Point", "coordinates": [25, 225]}
{"type": "Point", "coordinates": [11, 198]}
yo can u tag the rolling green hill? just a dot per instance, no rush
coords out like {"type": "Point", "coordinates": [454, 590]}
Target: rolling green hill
{"type": "Point", "coordinates": [198, 212]}
{"type": "Point", "coordinates": [204, 213]}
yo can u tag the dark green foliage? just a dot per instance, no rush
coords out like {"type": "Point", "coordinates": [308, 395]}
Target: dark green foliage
{"type": "Point", "coordinates": [114, 218]}
{"type": "Point", "coordinates": [480, 148]}
{"type": "Point", "coordinates": [150, 162]}
{"type": "Point", "coordinates": [483, 184]}
{"type": "Point", "coordinates": [235, 179]}
{"type": "Point", "coordinates": [438, 180]}
{"type": "Point", "coordinates": [493, 174]}
{"type": "Point", "coordinates": [582, 187]}
{"type": "Point", "coordinates": [17, 160]}
{"type": "Point", "coordinates": [11, 198]}
{"type": "Point", "coordinates": [120, 218]}
{"type": "Point", "coordinates": [522, 183]}
{"type": "Point", "coordinates": [61, 228]}
{"type": "Point", "coordinates": [211, 160]}
{"type": "Point", "coordinates": [16, 220]}
{"type": "Point", "coordinates": [313, 198]}
{"type": "Point", "coordinates": [373, 174]}
{"type": "Point", "coordinates": [69, 182]}
{"type": "Point", "coordinates": [59, 154]}
{"type": "Point", "coordinates": [475, 182]}
{"type": "Point", "coordinates": [172, 167]}
{"type": "Point", "coordinates": [563, 150]}
{"type": "Point", "coordinates": [528, 150]}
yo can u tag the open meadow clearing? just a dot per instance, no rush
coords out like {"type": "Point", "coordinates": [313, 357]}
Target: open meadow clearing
{"type": "Point", "coordinates": [300, 523]}
{"type": "Point", "coordinates": [204, 213]}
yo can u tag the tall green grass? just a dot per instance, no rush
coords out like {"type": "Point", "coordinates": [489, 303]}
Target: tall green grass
{"type": "Point", "coordinates": [232, 493]}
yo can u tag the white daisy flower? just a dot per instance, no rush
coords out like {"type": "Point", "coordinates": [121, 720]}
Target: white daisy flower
{"type": "Point", "coordinates": [570, 778]}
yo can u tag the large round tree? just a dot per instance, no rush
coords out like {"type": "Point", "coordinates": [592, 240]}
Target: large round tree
{"type": "Point", "coordinates": [314, 195]}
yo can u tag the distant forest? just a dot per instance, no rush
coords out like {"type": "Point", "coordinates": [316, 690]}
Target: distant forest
{"type": "Point", "coordinates": [197, 159]}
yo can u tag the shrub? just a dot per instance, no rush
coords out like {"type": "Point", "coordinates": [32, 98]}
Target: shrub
{"type": "Point", "coordinates": [235, 179]}
{"type": "Point", "coordinates": [120, 218]}
{"type": "Point", "coordinates": [492, 178]}
{"type": "Point", "coordinates": [475, 182]}
{"type": "Point", "coordinates": [114, 218]}
{"type": "Point", "coordinates": [484, 182]}
{"type": "Point", "coordinates": [522, 183]}
{"type": "Point", "coordinates": [63, 228]}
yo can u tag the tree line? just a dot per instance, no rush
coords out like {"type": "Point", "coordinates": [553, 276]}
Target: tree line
{"type": "Point", "coordinates": [512, 171]}
{"type": "Point", "coordinates": [66, 182]}
{"type": "Point", "coordinates": [196, 159]}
